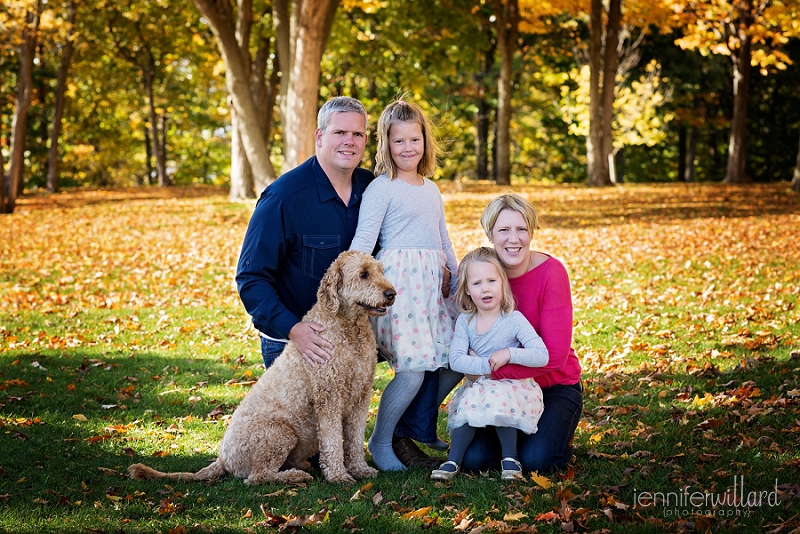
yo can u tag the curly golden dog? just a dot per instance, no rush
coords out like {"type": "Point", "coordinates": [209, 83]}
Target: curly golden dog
{"type": "Point", "coordinates": [296, 410]}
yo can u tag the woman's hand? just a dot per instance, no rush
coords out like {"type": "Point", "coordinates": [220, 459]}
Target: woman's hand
{"type": "Point", "coordinates": [499, 359]}
{"type": "Point", "coordinates": [446, 282]}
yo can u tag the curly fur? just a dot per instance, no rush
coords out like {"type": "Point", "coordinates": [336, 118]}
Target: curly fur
{"type": "Point", "coordinates": [296, 410]}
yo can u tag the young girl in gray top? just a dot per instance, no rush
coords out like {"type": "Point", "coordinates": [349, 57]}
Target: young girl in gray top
{"type": "Point", "coordinates": [490, 328]}
{"type": "Point", "coordinates": [403, 212]}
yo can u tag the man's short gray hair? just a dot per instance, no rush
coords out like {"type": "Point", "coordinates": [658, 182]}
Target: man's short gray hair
{"type": "Point", "coordinates": [339, 104]}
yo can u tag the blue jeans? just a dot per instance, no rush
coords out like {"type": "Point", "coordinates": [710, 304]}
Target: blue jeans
{"type": "Point", "coordinates": [549, 448]}
{"type": "Point", "coordinates": [270, 350]}
{"type": "Point", "coordinates": [420, 418]}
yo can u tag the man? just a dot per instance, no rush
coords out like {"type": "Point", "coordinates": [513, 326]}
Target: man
{"type": "Point", "coordinates": [301, 223]}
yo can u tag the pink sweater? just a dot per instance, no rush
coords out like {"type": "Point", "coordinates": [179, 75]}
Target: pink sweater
{"type": "Point", "coordinates": [543, 296]}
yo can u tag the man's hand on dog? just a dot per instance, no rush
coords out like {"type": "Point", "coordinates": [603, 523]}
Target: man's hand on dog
{"type": "Point", "coordinates": [306, 338]}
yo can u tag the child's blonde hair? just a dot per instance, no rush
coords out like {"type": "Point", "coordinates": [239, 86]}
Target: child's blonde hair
{"type": "Point", "coordinates": [481, 255]}
{"type": "Point", "coordinates": [404, 111]}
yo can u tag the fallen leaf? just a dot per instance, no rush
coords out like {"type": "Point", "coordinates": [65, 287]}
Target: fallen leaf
{"type": "Point", "coordinates": [516, 516]}
{"type": "Point", "coordinates": [417, 513]}
{"type": "Point", "coordinates": [543, 481]}
{"type": "Point", "coordinates": [546, 516]}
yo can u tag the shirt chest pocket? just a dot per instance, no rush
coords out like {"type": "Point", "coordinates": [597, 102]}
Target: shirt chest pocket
{"type": "Point", "coordinates": [319, 251]}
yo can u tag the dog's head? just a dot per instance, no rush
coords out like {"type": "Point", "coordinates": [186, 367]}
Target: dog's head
{"type": "Point", "coordinates": [355, 281]}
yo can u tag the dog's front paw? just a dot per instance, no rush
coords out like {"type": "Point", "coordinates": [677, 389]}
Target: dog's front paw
{"type": "Point", "coordinates": [364, 471]}
{"type": "Point", "coordinates": [342, 479]}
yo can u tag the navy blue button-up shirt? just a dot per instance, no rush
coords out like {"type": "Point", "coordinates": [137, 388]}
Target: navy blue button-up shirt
{"type": "Point", "coordinates": [299, 226]}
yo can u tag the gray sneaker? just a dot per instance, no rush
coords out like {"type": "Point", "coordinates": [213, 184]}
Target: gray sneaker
{"type": "Point", "coordinates": [510, 469]}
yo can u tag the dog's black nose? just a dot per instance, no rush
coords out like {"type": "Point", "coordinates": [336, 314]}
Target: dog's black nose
{"type": "Point", "coordinates": [390, 294]}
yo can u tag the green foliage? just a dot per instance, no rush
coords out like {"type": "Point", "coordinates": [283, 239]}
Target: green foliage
{"type": "Point", "coordinates": [441, 53]}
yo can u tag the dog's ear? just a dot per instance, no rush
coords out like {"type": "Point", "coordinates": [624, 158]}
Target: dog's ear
{"type": "Point", "coordinates": [328, 292]}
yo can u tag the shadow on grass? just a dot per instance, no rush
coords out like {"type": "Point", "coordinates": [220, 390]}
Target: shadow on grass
{"type": "Point", "coordinates": [574, 207]}
{"type": "Point", "coordinates": [79, 197]}
{"type": "Point", "coordinates": [78, 418]}
{"type": "Point", "coordinates": [654, 204]}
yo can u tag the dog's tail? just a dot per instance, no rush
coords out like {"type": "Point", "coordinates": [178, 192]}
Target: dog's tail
{"type": "Point", "coordinates": [142, 472]}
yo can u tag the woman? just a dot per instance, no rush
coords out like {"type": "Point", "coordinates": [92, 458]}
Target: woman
{"type": "Point", "coordinates": [541, 288]}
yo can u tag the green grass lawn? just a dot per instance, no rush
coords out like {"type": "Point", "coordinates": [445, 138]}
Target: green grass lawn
{"type": "Point", "coordinates": [122, 340]}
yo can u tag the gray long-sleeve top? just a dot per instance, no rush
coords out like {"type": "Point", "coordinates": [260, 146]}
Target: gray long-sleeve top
{"type": "Point", "coordinates": [403, 216]}
{"type": "Point", "coordinates": [511, 331]}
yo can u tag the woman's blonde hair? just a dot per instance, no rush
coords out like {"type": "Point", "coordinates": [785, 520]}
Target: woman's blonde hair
{"type": "Point", "coordinates": [462, 300]}
{"type": "Point", "coordinates": [509, 201]}
{"type": "Point", "coordinates": [403, 111]}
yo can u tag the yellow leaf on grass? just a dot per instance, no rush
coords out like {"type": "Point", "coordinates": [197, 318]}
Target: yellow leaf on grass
{"type": "Point", "coordinates": [708, 399]}
{"type": "Point", "coordinates": [514, 517]}
{"type": "Point", "coordinates": [417, 513]}
{"type": "Point", "coordinates": [79, 417]}
{"type": "Point", "coordinates": [543, 481]}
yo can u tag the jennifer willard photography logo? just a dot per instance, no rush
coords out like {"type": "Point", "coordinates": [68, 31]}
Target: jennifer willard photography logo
{"type": "Point", "coordinates": [735, 501]}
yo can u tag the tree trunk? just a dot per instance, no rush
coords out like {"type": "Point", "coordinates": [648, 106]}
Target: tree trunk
{"type": "Point", "coordinates": [493, 151]}
{"type": "Point", "coordinates": [314, 21]}
{"type": "Point", "coordinates": [691, 154]}
{"type": "Point", "coordinates": [164, 119]}
{"type": "Point", "coordinates": [482, 139]}
{"type": "Point", "coordinates": [507, 29]}
{"type": "Point", "coordinates": [24, 94]}
{"type": "Point", "coordinates": [610, 63]}
{"type": "Point", "coordinates": [482, 117]}
{"type": "Point", "coordinates": [148, 155]}
{"type": "Point", "coordinates": [795, 178]}
{"type": "Point", "coordinates": [597, 166]}
{"type": "Point", "coordinates": [148, 75]}
{"type": "Point", "coordinates": [713, 148]}
{"type": "Point", "coordinates": [220, 17]}
{"type": "Point", "coordinates": [283, 43]}
{"type": "Point", "coordinates": [735, 172]}
{"type": "Point", "coordinates": [3, 181]}
{"type": "Point", "coordinates": [242, 186]}
{"type": "Point", "coordinates": [58, 112]}
{"type": "Point", "coordinates": [682, 152]}
{"type": "Point", "coordinates": [241, 173]}
{"type": "Point", "coordinates": [619, 163]}
{"type": "Point", "coordinates": [264, 95]}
